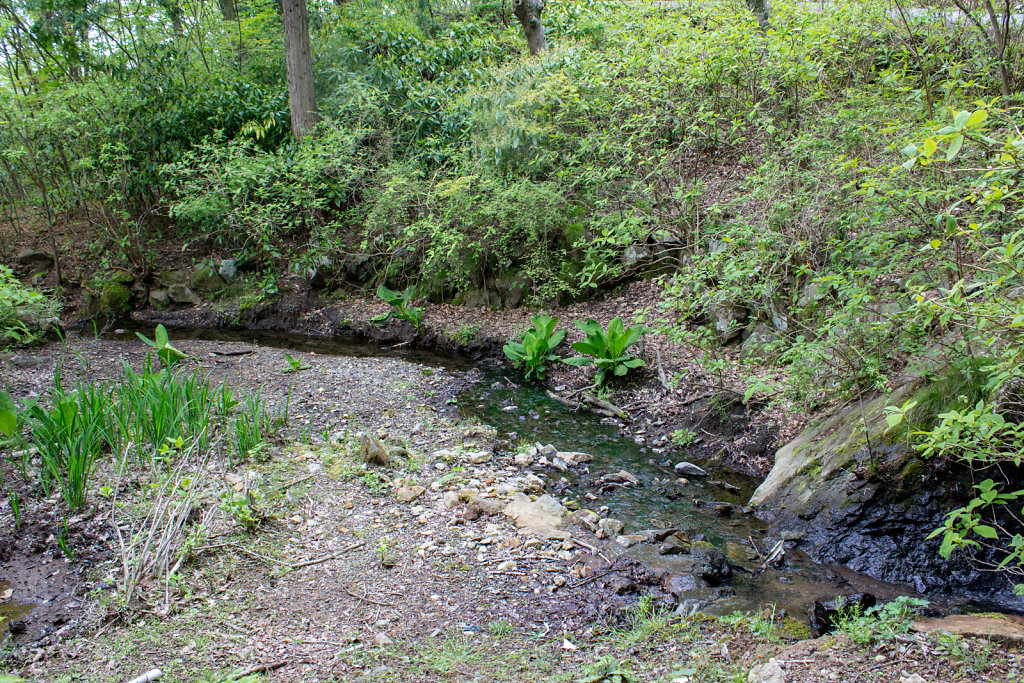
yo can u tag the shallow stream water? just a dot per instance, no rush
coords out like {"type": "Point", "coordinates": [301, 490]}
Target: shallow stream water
{"type": "Point", "coordinates": [499, 399]}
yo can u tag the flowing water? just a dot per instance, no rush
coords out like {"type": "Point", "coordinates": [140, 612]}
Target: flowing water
{"type": "Point", "coordinates": [657, 503]}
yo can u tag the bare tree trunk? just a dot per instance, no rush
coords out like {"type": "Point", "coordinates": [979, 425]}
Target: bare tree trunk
{"type": "Point", "coordinates": [999, 49]}
{"type": "Point", "coordinates": [299, 63]}
{"type": "Point", "coordinates": [528, 12]}
{"type": "Point", "coordinates": [759, 8]}
{"type": "Point", "coordinates": [227, 8]}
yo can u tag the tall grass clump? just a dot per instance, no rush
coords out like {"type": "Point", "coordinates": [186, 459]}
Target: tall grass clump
{"type": "Point", "coordinates": [141, 417]}
{"type": "Point", "coordinates": [69, 435]}
{"type": "Point", "coordinates": [158, 405]}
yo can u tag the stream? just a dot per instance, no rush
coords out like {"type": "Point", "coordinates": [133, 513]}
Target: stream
{"type": "Point", "coordinates": [707, 508]}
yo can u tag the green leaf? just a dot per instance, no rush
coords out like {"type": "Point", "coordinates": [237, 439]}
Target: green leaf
{"type": "Point", "coordinates": [161, 336]}
{"type": "Point", "coordinates": [985, 531]}
{"type": "Point", "coordinates": [954, 147]}
{"type": "Point", "coordinates": [961, 119]}
{"type": "Point", "coordinates": [977, 118]}
{"type": "Point", "coordinates": [146, 339]}
{"type": "Point", "coordinates": [578, 361]}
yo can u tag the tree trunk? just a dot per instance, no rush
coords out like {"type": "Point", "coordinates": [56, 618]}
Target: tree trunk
{"type": "Point", "coordinates": [227, 8]}
{"type": "Point", "coordinates": [760, 10]}
{"type": "Point", "coordinates": [999, 49]}
{"type": "Point", "coordinates": [299, 63]}
{"type": "Point", "coordinates": [528, 12]}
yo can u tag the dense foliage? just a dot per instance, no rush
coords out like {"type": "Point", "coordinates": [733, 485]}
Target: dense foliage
{"type": "Point", "coordinates": [841, 185]}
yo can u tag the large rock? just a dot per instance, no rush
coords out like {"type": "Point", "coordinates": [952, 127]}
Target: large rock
{"type": "Point", "coordinates": [358, 268]}
{"type": "Point", "coordinates": [483, 507]}
{"type": "Point", "coordinates": [710, 564]}
{"type": "Point", "coordinates": [107, 298]}
{"type": "Point", "coordinates": [1002, 628]}
{"type": "Point", "coordinates": [174, 276]}
{"type": "Point", "coordinates": [371, 451]}
{"type": "Point", "coordinates": [37, 261]}
{"type": "Point", "coordinates": [771, 672]}
{"type": "Point", "coordinates": [321, 273]}
{"type": "Point", "coordinates": [543, 517]}
{"type": "Point", "coordinates": [758, 339]}
{"type": "Point", "coordinates": [688, 469]}
{"type": "Point", "coordinates": [635, 255]}
{"type": "Point", "coordinates": [159, 299]}
{"type": "Point", "coordinates": [851, 493]}
{"type": "Point", "coordinates": [728, 318]}
{"type": "Point", "coordinates": [181, 294]}
{"type": "Point", "coordinates": [206, 280]}
{"type": "Point", "coordinates": [228, 269]}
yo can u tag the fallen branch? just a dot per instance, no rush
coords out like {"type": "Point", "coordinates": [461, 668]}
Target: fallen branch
{"type": "Point", "coordinates": [365, 599]}
{"type": "Point", "coordinates": [326, 558]}
{"type": "Point", "coordinates": [257, 669]}
{"type": "Point", "coordinates": [600, 404]}
{"type": "Point", "coordinates": [293, 482]}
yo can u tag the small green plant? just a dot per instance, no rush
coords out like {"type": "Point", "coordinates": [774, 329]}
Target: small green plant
{"type": "Point", "coordinates": [607, 350]}
{"type": "Point", "coordinates": [25, 316]}
{"type": "Point", "coordinates": [372, 481]}
{"type": "Point", "coordinates": [69, 436]}
{"type": "Point", "coordinates": [534, 351]}
{"type": "Point", "coordinates": [164, 349]}
{"type": "Point", "coordinates": [295, 364]}
{"type": "Point", "coordinates": [383, 550]}
{"type": "Point", "coordinates": [62, 541]}
{"type": "Point", "coordinates": [886, 622]}
{"type": "Point", "coordinates": [464, 334]}
{"type": "Point", "coordinates": [8, 415]}
{"type": "Point", "coordinates": [684, 437]}
{"type": "Point", "coordinates": [244, 510]}
{"type": "Point", "coordinates": [400, 302]}
{"type": "Point", "coordinates": [12, 496]}
{"type": "Point", "coordinates": [499, 628]}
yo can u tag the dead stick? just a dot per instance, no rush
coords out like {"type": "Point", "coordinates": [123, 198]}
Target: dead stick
{"type": "Point", "coordinates": [296, 481]}
{"type": "Point", "coordinates": [365, 599]}
{"type": "Point", "coordinates": [325, 558]}
{"type": "Point", "coordinates": [257, 669]}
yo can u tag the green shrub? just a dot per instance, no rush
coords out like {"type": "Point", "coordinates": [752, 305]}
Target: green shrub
{"type": "Point", "coordinates": [607, 350]}
{"type": "Point", "coordinates": [534, 351]}
{"type": "Point", "coordinates": [887, 623]}
{"type": "Point", "coordinates": [25, 316]}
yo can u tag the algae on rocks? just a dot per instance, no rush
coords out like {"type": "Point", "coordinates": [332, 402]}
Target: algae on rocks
{"type": "Point", "coordinates": [108, 297]}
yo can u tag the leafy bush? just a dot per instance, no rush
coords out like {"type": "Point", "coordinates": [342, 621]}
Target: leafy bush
{"type": "Point", "coordinates": [607, 350]}
{"type": "Point", "coordinates": [25, 316]}
{"type": "Point", "coordinates": [887, 622]}
{"type": "Point", "coordinates": [534, 351]}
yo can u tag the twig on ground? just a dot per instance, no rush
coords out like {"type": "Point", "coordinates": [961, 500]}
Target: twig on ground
{"type": "Point", "coordinates": [326, 558]}
{"type": "Point", "coordinates": [257, 669]}
{"type": "Point", "coordinates": [365, 599]}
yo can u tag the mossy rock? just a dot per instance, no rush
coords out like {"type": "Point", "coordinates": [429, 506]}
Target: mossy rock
{"type": "Point", "coordinates": [791, 629]}
{"type": "Point", "coordinates": [206, 281]}
{"type": "Point", "coordinates": [123, 277]}
{"type": "Point", "coordinates": [107, 297]}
